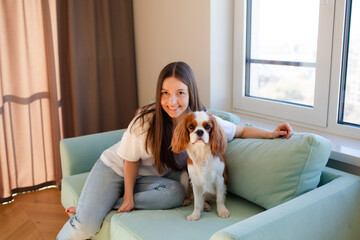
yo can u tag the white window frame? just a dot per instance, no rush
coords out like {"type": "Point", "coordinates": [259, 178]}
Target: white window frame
{"type": "Point", "coordinates": [333, 126]}
{"type": "Point", "coordinates": [323, 116]}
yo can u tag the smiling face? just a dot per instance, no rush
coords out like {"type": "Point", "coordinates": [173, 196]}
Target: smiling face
{"type": "Point", "coordinates": [175, 98]}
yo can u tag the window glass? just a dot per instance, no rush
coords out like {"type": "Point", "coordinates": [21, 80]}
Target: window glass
{"type": "Point", "coordinates": [283, 83]}
{"type": "Point", "coordinates": [282, 50]}
{"type": "Point", "coordinates": [351, 92]}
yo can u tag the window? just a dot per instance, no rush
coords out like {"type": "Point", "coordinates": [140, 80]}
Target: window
{"type": "Point", "coordinates": [298, 61]}
{"type": "Point", "coordinates": [281, 47]}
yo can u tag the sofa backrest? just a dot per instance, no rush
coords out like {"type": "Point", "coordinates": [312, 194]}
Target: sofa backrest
{"type": "Point", "coordinates": [225, 115]}
{"type": "Point", "coordinates": [78, 154]}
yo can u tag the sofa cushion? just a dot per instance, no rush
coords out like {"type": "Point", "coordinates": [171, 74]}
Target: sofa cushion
{"type": "Point", "coordinates": [71, 187]}
{"type": "Point", "coordinates": [269, 172]}
{"type": "Point", "coordinates": [172, 223]}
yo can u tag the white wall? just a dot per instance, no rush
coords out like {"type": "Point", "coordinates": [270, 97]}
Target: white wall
{"type": "Point", "coordinates": [194, 31]}
{"type": "Point", "coordinates": [221, 54]}
{"type": "Point", "coordinates": [167, 31]}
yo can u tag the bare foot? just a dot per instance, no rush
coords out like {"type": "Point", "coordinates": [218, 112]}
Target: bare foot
{"type": "Point", "coordinates": [71, 210]}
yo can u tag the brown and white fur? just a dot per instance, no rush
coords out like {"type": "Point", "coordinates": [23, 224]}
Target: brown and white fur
{"type": "Point", "coordinates": [205, 142]}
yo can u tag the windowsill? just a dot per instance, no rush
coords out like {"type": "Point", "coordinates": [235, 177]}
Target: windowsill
{"type": "Point", "coordinates": [346, 150]}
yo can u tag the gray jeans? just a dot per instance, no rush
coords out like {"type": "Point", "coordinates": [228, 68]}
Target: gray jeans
{"type": "Point", "coordinates": [103, 191]}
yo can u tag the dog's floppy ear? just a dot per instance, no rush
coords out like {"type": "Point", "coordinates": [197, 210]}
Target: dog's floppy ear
{"type": "Point", "coordinates": [218, 138]}
{"type": "Point", "coordinates": [181, 138]}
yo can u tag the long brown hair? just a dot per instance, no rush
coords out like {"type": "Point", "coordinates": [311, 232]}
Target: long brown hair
{"type": "Point", "coordinates": [160, 129]}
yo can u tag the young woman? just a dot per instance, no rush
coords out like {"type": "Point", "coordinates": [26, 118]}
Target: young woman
{"type": "Point", "coordinates": [132, 174]}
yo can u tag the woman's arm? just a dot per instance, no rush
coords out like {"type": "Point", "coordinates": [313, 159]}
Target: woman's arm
{"type": "Point", "coordinates": [283, 130]}
{"type": "Point", "coordinates": [130, 174]}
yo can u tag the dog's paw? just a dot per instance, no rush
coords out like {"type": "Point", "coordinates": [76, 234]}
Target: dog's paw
{"type": "Point", "coordinates": [193, 217]}
{"type": "Point", "coordinates": [207, 207]}
{"type": "Point", "coordinates": [186, 202]}
{"type": "Point", "coordinates": [223, 212]}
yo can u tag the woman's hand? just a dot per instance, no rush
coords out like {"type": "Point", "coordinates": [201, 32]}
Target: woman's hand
{"type": "Point", "coordinates": [127, 205]}
{"type": "Point", "coordinates": [284, 130]}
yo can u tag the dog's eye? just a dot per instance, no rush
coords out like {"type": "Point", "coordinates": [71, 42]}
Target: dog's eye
{"type": "Point", "coordinates": [191, 126]}
{"type": "Point", "coordinates": [207, 126]}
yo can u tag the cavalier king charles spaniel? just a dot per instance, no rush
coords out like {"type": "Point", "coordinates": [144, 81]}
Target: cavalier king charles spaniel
{"type": "Point", "coordinates": [205, 142]}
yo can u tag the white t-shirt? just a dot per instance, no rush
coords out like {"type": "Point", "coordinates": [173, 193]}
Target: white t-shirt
{"type": "Point", "coordinates": [132, 148]}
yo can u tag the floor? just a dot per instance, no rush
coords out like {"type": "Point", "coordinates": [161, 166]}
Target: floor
{"type": "Point", "coordinates": [34, 215]}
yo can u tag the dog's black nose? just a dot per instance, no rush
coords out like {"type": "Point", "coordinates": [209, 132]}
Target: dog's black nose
{"type": "Point", "coordinates": [200, 133]}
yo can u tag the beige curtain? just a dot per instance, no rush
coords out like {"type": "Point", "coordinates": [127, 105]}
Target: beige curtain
{"type": "Point", "coordinates": [67, 68]}
{"type": "Point", "coordinates": [29, 96]}
{"type": "Point", "coordinates": [97, 65]}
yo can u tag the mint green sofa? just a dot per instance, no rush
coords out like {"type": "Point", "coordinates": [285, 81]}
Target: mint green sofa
{"type": "Point", "coordinates": [278, 189]}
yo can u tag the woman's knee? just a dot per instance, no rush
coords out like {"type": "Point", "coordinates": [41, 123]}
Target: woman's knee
{"type": "Point", "coordinates": [75, 229]}
{"type": "Point", "coordinates": [177, 193]}
{"type": "Point", "coordinates": [85, 228]}
{"type": "Point", "coordinates": [158, 193]}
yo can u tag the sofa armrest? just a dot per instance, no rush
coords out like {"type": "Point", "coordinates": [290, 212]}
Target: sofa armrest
{"type": "Point", "coordinates": [331, 211]}
{"type": "Point", "coordinates": [79, 154]}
